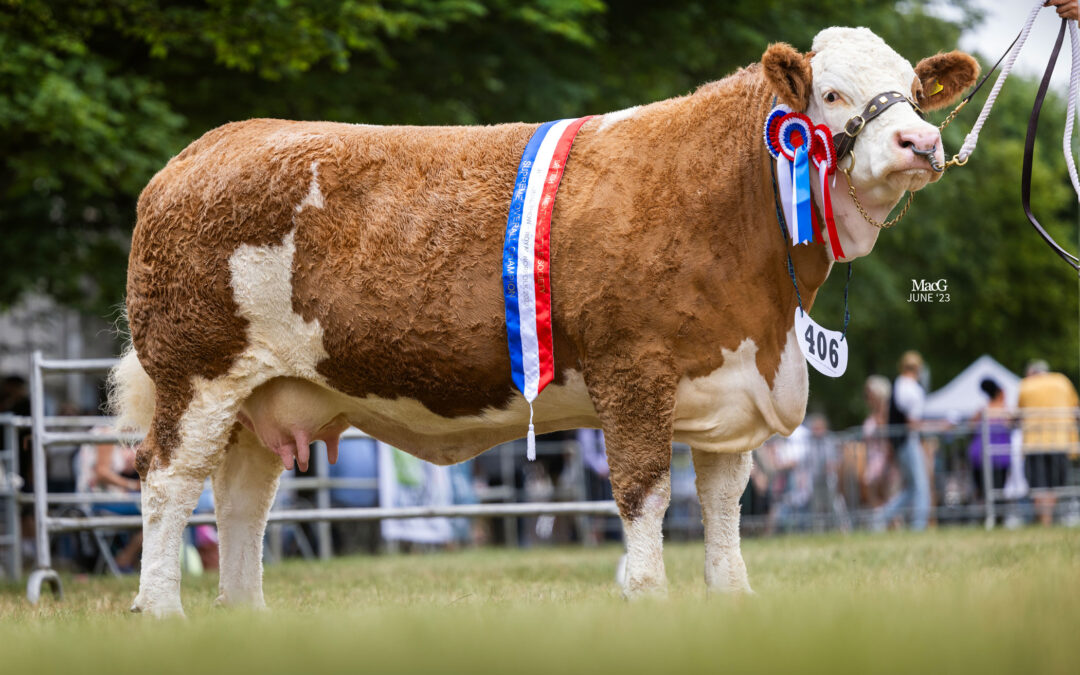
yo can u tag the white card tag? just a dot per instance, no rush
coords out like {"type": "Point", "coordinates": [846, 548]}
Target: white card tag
{"type": "Point", "coordinates": [824, 349]}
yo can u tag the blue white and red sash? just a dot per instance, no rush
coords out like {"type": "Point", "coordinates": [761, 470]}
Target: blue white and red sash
{"type": "Point", "coordinates": [526, 259]}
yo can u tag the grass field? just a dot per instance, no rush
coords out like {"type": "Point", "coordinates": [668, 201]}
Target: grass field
{"type": "Point", "coordinates": [954, 601]}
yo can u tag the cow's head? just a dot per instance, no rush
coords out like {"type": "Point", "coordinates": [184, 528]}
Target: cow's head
{"type": "Point", "coordinates": [848, 67]}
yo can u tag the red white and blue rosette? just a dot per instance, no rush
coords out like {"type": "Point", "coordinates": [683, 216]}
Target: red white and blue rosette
{"type": "Point", "coordinates": [795, 142]}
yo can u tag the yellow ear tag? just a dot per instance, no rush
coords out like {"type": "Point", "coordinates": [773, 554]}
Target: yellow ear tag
{"type": "Point", "coordinates": [937, 88]}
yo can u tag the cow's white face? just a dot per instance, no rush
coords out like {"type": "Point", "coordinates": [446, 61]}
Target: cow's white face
{"type": "Point", "coordinates": [848, 67]}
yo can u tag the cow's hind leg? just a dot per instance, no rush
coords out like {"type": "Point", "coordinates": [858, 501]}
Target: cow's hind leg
{"type": "Point", "coordinates": [721, 479]}
{"type": "Point", "coordinates": [244, 487]}
{"type": "Point", "coordinates": [181, 450]}
{"type": "Point", "coordinates": [636, 412]}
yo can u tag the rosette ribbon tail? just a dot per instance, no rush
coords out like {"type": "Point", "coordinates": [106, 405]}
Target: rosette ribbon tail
{"type": "Point", "coordinates": [830, 221]}
{"type": "Point", "coordinates": [783, 179]}
{"type": "Point", "coordinates": [801, 196]}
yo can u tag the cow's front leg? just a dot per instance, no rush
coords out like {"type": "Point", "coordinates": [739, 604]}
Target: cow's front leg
{"type": "Point", "coordinates": [721, 479]}
{"type": "Point", "coordinates": [636, 413]}
{"type": "Point", "coordinates": [244, 487]}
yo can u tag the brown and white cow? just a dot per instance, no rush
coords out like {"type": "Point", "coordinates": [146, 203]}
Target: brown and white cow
{"type": "Point", "coordinates": [289, 279]}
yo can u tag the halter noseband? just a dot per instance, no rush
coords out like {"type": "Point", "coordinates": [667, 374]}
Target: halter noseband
{"type": "Point", "coordinates": [845, 140]}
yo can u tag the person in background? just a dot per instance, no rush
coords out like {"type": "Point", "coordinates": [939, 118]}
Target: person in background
{"type": "Point", "coordinates": [1000, 437]}
{"type": "Point", "coordinates": [793, 481]}
{"type": "Point", "coordinates": [823, 460]}
{"type": "Point", "coordinates": [110, 468]}
{"type": "Point", "coordinates": [905, 418]}
{"type": "Point", "coordinates": [597, 480]}
{"type": "Point", "coordinates": [1048, 433]}
{"type": "Point", "coordinates": [875, 476]}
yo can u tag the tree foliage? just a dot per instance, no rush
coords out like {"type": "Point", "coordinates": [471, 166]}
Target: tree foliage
{"type": "Point", "coordinates": [96, 95]}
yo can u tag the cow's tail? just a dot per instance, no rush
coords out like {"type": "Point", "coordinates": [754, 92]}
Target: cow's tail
{"type": "Point", "coordinates": [131, 394]}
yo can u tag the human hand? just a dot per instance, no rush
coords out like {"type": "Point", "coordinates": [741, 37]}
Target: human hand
{"type": "Point", "coordinates": [1066, 9]}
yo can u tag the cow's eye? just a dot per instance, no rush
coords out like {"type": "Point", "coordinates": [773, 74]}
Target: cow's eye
{"type": "Point", "coordinates": [831, 97]}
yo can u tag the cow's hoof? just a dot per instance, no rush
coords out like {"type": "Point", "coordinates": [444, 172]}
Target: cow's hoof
{"type": "Point", "coordinates": [138, 607]}
{"type": "Point", "coordinates": [645, 591]}
{"type": "Point", "coordinates": [640, 587]}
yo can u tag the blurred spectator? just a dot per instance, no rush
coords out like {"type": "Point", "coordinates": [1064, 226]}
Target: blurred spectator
{"type": "Point", "coordinates": [823, 456]}
{"type": "Point", "coordinates": [1048, 433]}
{"type": "Point", "coordinates": [792, 481]}
{"type": "Point", "coordinates": [905, 416]}
{"type": "Point", "coordinates": [109, 468]}
{"type": "Point", "coordinates": [357, 459]}
{"type": "Point", "coordinates": [597, 482]}
{"type": "Point", "coordinates": [15, 398]}
{"type": "Point", "coordinates": [14, 395]}
{"type": "Point", "coordinates": [1000, 437]}
{"type": "Point", "coordinates": [205, 537]}
{"type": "Point", "coordinates": [875, 478]}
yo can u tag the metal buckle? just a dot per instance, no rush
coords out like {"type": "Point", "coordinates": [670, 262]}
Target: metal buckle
{"type": "Point", "coordinates": [857, 131]}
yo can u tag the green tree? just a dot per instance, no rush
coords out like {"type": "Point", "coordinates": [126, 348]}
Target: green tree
{"type": "Point", "coordinates": [96, 95]}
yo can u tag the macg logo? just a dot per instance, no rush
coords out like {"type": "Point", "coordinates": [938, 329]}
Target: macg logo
{"type": "Point", "coordinates": [924, 286]}
{"type": "Point", "coordinates": [929, 291]}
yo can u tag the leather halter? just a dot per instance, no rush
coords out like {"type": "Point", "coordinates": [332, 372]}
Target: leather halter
{"type": "Point", "coordinates": [845, 140]}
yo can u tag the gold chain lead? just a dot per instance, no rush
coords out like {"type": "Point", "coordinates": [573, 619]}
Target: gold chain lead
{"type": "Point", "coordinates": [866, 216]}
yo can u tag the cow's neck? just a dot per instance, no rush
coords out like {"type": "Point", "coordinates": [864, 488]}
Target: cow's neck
{"type": "Point", "coordinates": [729, 115]}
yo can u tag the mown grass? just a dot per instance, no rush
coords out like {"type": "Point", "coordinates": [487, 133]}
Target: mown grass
{"type": "Point", "coordinates": [953, 601]}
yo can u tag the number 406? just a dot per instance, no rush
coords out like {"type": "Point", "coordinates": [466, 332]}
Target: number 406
{"type": "Point", "coordinates": [821, 347]}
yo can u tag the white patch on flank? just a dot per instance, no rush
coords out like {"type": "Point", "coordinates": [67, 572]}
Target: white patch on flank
{"type": "Point", "coordinates": [721, 479]}
{"type": "Point", "coordinates": [616, 117]}
{"type": "Point", "coordinates": [644, 572]}
{"type": "Point", "coordinates": [280, 343]}
{"type": "Point", "coordinates": [733, 409]}
{"type": "Point", "coordinates": [314, 196]}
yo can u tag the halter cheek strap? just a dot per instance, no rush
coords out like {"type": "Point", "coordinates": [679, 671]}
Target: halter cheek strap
{"type": "Point", "coordinates": [845, 140]}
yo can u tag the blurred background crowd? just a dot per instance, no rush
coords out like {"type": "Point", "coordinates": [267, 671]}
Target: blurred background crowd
{"type": "Point", "coordinates": [917, 460]}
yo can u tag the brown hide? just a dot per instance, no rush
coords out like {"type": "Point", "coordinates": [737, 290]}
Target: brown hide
{"type": "Point", "coordinates": [664, 249]}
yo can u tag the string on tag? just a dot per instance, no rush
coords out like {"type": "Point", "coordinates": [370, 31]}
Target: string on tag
{"type": "Point", "coordinates": [791, 266]}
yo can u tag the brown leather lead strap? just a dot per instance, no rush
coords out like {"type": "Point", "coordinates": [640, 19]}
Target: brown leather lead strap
{"type": "Point", "coordinates": [1029, 154]}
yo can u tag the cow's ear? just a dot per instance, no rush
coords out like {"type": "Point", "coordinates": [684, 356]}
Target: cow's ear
{"type": "Point", "coordinates": [943, 78]}
{"type": "Point", "coordinates": [789, 74]}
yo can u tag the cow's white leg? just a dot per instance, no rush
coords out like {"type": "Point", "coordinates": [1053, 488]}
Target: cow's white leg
{"type": "Point", "coordinates": [169, 496]}
{"type": "Point", "coordinates": [721, 479]}
{"type": "Point", "coordinates": [636, 410]}
{"type": "Point", "coordinates": [244, 487]}
{"type": "Point", "coordinates": [644, 537]}
{"type": "Point", "coordinates": [175, 459]}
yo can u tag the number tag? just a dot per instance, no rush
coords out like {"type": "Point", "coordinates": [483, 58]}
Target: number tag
{"type": "Point", "coordinates": [823, 348]}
